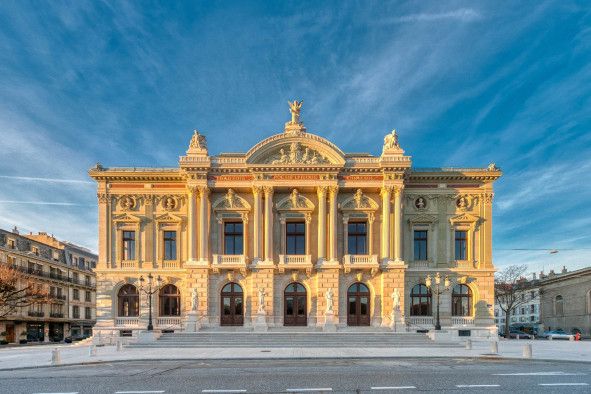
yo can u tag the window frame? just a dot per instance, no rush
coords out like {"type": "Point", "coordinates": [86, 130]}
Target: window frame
{"type": "Point", "coordinates": [425, 240]}
{"type": "Point", "coordinates": [461, 296]}
{"type": "Point", "coordinates": [356, 235]}
{"type": "Point", "coordinates": [128, 245]}
{"type": "Point", "coordinates": [297, 236]}
{"type": "Point", "coordinates": [227, 235]}
{"type": "Point", "coordinates": [172, 242]}
{"type": "Point", "coordinates": [427, 296]}
{"type": "Point", "coordinates": [463, 256]}
{"type": "Point", "coordinates": [169, 303]}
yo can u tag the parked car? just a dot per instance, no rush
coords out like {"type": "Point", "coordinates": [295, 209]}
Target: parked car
{"type": "Point", "coordinates": [518, 334]}
{"type": "Point", "coordinates": [557, 334]}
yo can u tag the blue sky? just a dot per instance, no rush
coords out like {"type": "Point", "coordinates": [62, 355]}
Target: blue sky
{"type": "Point", "coordinates": [464, 83]}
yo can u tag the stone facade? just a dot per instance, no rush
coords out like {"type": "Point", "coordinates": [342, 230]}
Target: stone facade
{"type": "Point", "coordinates": [296, 177]}
{"type": "Point", "coordinates": [566, 301]}
{"type": "Point", "coordinates": [65, 271]}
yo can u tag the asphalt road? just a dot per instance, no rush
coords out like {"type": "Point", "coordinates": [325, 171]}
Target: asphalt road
{"type": "Point", "coordinates": [304, 376]}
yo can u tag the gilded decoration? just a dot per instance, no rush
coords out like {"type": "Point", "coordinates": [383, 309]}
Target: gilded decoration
{"type": "Point", "coordinates": [294, 108]}
{"type": "Point", "coordinates": [231, 201]}
{"type": "Point", "coordinates": [198, 141]}
{"type": "Point", "coordinates": [169, 203]}
{"type": "Point", "coordinates": [295, 202]}
{"type": "Point", "coordinates": [127, 203]}
{"type": "Point", "coordinates": [359, 201]}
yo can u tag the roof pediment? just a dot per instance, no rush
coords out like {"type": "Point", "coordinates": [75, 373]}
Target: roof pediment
{"type": "Point", "coordinates": [295, 149]}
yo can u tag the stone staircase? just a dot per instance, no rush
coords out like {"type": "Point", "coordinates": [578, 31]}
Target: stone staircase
{"type": "Point", "coordinates": [293, 339]}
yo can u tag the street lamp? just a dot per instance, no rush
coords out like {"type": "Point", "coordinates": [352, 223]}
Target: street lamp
{"type": "Point", "coordinates": [437, 289]}
{"type": "Point", "coordinates": [149, 292]}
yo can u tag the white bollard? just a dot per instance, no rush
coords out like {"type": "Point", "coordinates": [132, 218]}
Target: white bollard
{"type": "Point", "coordinates": [494, 347]}
{"type": "Point", "coordinates": [527, 351]}
{"type": "Point", "coordinates": [56, 358]}
{"type": "Point", "coordinates": [92, 350]}
{"type": "Point", "coordinates": [468, 344]}
{"type": "Point", "coordinates": [119, 346]}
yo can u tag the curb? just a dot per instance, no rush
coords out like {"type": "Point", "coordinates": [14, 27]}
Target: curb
{"type": "Point", "coordinates": [482, 357]}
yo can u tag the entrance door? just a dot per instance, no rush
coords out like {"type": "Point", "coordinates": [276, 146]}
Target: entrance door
{"type": "Point", "coordinates": [294, 305]}
{"type": "Point", "coordinates": [358, 305]}
{"type": "Point", "coordinates": [10, 334]}
{"type": "Point", "coordinates": [232, 305]}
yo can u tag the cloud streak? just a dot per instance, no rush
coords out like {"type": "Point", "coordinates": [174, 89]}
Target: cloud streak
{"type": "Point", "coordinates": [461, 14]}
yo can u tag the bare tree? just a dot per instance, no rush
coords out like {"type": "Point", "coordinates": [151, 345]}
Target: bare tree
{"type": "Point", "coordinates": [18, 291]}
{"type": "Point", "coordinates": [510, 286]}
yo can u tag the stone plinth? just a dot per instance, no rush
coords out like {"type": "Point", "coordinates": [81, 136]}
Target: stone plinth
{"type": "Point", "coordinates": [397, 321]}
{"type": "Point", "coordinates": [260, 322]}
{"type": "Point", "coordinates": [192, 322]}
{"type": "Point", "coordinates": [147, 336]}
{"type": "Point", "coordinates": [329, 322]}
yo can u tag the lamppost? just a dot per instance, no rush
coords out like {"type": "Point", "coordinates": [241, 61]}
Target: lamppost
{"type": "Point", "coordinates": [437, 289]}
{"type": "Point", "coordinates": [149, 292]}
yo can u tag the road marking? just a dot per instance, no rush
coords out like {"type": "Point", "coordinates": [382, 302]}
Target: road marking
{"type": "Point", "coordinates": [308, 389]}
{"type": "Point", "coordinates": [393, 388]}
{"type": "Point", "coordinates": [477, 385]}
{"type": "Point", "coordinates": [224, 391]}
{"type": "Point", "coordinates": [73, 392]}
{"type": "Point", "coordinates": [559, 373]}
{"type": "Point", "coordinates": [140, 392]}
{"type": "Point", "coordinates": [563, 384]}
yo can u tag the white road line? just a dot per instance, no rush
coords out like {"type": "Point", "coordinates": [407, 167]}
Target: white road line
{"type": "Point", "coordinates": [308, 389]}
{"type": "Point", "coordinates": [558, 373]}
{"type": "Point", "coordinates": [393, 388]}
{"type": "Point", "coordinates": [225, 391]}
{"type": "Point", "coordinates": [563, 384]}
{"type": "Point", "coordinates": [477, 385]}
{"type": "Point", "coordinates": [73, 392]}
{"type": "Point", "coordinates": [140, 392]}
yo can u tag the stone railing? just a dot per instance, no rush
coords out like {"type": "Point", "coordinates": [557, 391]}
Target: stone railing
{"type": "Point", "coordinates": [170, 264]}
{"type": "Point", "coordinates": [463, 264]}
{"type": "Point", "coordinates": [361, 259]}
{"type": "Point", "coordinates": [127, 321]}
{"type": "Point", "coordinates": [462, 321]}
{"type": "Point", "coordinates": [420, 320]}
{"type": "Point", "coordinates": [295, 259]}
{"type": "Point", "coordinates": [128, 264]}
{"type": "Point", "coordinates": [420, 264]}
{"type": "Point", "coordinates": [169, 321]}
{"type": "Point", "coordinates": [228, 261]}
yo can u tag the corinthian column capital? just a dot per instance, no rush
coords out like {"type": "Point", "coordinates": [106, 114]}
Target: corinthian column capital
{"type": "Point", "coordinates": [256, 190]}
{"type": "Point", "coordinates": [321, 191]}
{"type": "Point", "coordinates": [268, 190]}
{"type": "Point", "coordinates": [386, 190]}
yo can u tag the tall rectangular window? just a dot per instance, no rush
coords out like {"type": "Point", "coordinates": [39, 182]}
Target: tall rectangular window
{"type": "Point", "coordinates": [76, 294]}
{"type": "Point", "coordinates": [87, 314]}
{"type": "Point", "coordinates": [295, 234]}
{"type": "Point", "coordinates": [460, 245]}
{"type": "Point", "coordinates": [233, 238]}
{"type": "Point", "coordinates": [170, 245]}
{"type": "Point", "coordinates": [129, 245]}
{"type": "Point", "coordinates": [357, 238]}
{"type": "Point", "coordinates": [420, 245]}
{"type": "Point", "coordinates": [76, 312]}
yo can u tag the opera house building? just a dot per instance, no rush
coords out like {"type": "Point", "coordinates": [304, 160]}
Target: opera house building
{"type": "Point", "coordinates": [295, 232]}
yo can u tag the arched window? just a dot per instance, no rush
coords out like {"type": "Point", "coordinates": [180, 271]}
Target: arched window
{"type": "Point", "coordinates": [558, 306]}
{"type": "Point", "coordinates": [420, 301]}
{"type": "Point", "coordinates": [358, 305]}
{"type": "Point", "coordinates": [128, 301]}
{"type": "Point", "coordinates": [170, 301]}
{"type": "Point", "coordinates": [294, 305]}
{"type": "Point", "coordinates": [461, 301]}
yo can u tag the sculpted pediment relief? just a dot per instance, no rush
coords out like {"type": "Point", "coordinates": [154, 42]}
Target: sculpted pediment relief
{"type": "Point", "coordinates": [296, 153]}
{"type": "Point", "coordinates": [231, 202]}
{"type": "Point", "coordinates": [295, 202]}
{"type": "Point", "coordinates": [126, 218]}
{"type": "Point", "coordinates": [359, 202]}
{"type": "Point", "coordinates": [464, 218]}
{"type": "Point", "coordinates": [168, 218]}
{"type": "Point", "coordinates": [423, 218]}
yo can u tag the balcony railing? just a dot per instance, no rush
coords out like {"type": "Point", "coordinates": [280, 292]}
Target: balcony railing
{"type": "Point", "coordinates": [127, 321]}
{"type": "Point", "coordinates": [361, 261]}
{"type": "Point", "coordinates": [36, 313]}
{"type": "Point", "coordinates": [56, 315]}
{"type": "Point", "coordinates": [295, 261]}
{"type": "Point", "coordinates": [129, 264]}
{"type": "Point", "coordinates": [420, 320]}
{"type": "Point", "coordinates": [420, 264]}
{"type": "Point", "coordinates": [463, 264]}
{"type": "Point", "coordinates": [228, 261]}
{"type": "Point", "coordinates": [462, 321]}
{"type": "Point", "coordinates": [169, 321]}
{"type": "Point", "coordinates": [170, 264]}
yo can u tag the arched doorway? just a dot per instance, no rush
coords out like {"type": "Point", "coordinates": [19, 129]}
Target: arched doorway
{"type": "Point", "coordinates": [358, 305]}
{"type": "Point", "coordinates": [232, 299]}
{"type": "Point", "coordinates": [128, 300]}
{"type": "Point", "coordinates": [294, 305]}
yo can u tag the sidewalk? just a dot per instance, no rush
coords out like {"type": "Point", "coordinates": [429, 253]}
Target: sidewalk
{"type": "Point", "coordinates": [31, 357]}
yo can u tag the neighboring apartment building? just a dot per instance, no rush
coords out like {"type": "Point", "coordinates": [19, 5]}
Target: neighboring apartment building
{"type": "Point", "coordinates": [65, 270]}
{"type": "Point", "coordinates": [525, 316]}
{"type": "Point", "coordinates": [295, 232]}
{"type": "Point", "coordinates": [566, 301]}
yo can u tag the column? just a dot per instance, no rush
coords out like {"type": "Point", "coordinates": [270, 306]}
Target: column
{"type": "Point", "coordinates": [333, 191]}
{"type": "Point", "coordinates": [256, 222]}
{"type": "Point", "coordinates": [321, 222]}
{"type": "Point", "coordinates": [268, 223]}
{"type": "Point", "coordinates": [370, 219]}
{"type": "Point", "coordinates": [203, 227]}
{"type": "Point", "coordinates": [245, 238]}
{"type": "Point", "coordinates": [385, 242]}
{"type": "Point", "coordinates": [103, 229]}
{"type": "Point", "coordinates": [191, 233]}
{"type": "Point", "coordinates": [397, 223]}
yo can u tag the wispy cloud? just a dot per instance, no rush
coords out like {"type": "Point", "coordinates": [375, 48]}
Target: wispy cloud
{"type": "Point", "coordinates": [461, 14]}
{"type": "Point", "coordinates": [50, 180]}
{"type": "Point", "coordinates": [46, 203]}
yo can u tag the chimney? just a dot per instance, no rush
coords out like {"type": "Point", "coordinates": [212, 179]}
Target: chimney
{"type": "Point", "coordinates": [564, 270]}
{"type": "Point", "coordinates": [533, 276]}
{"type": "Point", "coordinates": [551, 274]}
{"type": "Point", "coordinates": [15, 230]}
{"type": "Point", "coordinates": [541, 274]}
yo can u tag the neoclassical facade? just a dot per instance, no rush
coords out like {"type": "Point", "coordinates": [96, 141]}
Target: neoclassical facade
{"type": "Point", "coordinates": [295, 232]}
